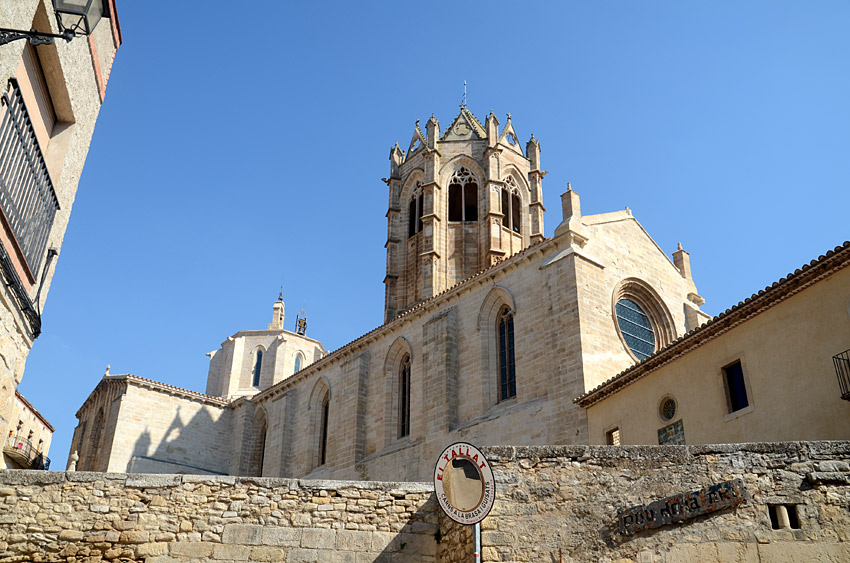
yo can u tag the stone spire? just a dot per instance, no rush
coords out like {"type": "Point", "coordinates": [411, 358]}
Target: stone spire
{"type": "Point", "coordinates": [278, 313]}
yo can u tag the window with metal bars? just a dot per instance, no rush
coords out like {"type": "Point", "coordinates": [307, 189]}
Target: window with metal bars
{"type": "Point", "coordinates": [404, 398]}
{"type": "Point", "coordinates": [27, 197]}
{"type": "Point", "coordinates": [636, 328]}
{"type": "Point", "coordinates": [507, 362]}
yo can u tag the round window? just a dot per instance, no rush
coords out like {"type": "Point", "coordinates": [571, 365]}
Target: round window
{"type": "Point", "coordinates": [668, 409]}
{"type": "Point", "coordinates": [636, 328]}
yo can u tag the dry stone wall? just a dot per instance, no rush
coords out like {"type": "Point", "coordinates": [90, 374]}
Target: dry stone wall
{"type": "Point", "coordinates": [87, 517]}
{"type": "Point", "coordinates": [560, 503]}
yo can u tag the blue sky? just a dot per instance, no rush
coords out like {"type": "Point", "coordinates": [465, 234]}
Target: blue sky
{"type": "Point", "coordinates": [231, 158]}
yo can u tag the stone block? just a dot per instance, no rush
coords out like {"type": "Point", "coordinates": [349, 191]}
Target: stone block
{"type": "Point", "coordinates": [351, 540]}
{"type": "Point", "coordinates": [297, 555]}
{"type": "Point", "coordinates": [150, 550]}
{"type": "Point", "coordinates": [231, 552]}
{"type": "Point", "coordinates": [70, 535]}
{"type": "Point", "coordinates": [191, 549]}
{"type": "Point", "coordinates": [133, 537]}
{"type": "Point", "coordinates": [268, 554]}
{"type": "Point", "coordinates": [281, 537]}
{"type": "Point", "coordinates": [417, 543]}
{"type": "Point", "coordinates": [151, 481]}
{"type": "Point", "coordinates": [318, 539]}
{"type": "Point", "coordinates": [248, 534]}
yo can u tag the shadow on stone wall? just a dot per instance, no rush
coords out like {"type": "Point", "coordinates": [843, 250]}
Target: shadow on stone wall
{"type": "Point", "coordinates": [196, 447]}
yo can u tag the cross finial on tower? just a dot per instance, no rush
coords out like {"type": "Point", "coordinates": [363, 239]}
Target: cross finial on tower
{"type": "Point", "coordinates": [463, 104]}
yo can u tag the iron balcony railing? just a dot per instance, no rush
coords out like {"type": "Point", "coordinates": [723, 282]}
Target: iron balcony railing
{"type": "Point", "coordinates": [842, 370]}
{"type": "Point", "coordinates": [24, 453]}
{"type": "Point", "coordinates": [27, 197]}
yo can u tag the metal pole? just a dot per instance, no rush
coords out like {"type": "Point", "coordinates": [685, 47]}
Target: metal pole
{"type": "Point", "coordinates": [476, 534]}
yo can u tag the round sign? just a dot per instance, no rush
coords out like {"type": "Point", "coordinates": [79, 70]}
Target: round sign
{"type": "Point", "coordinates": [464, 484]}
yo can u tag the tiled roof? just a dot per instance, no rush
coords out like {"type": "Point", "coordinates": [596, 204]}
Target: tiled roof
{"type": "Point", "coordinates": [793, 283]}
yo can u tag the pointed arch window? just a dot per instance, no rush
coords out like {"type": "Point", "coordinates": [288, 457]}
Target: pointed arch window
{"type": "Point", "coordinates": [323, 430]}
{"type": "Point", "coordinates": [404, 398]}
{"type": "Point", "coordinates": [507, 362]}
{"type": "Point", "coordinates": [258, 366]}
{"type": "Point", "coordinates": [463, 196]}
{"type": "Point", "coordinates": [511, 206]}
{"type": "Point", "coordinates": [297, 363]}
{"type": "Point", "coordinates": [414, 210]}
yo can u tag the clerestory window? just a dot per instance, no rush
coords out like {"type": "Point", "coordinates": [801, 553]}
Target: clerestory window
{"type": "Point", "coordinates": [323, 431]}
{"type": "Point", "coordinates": [258, 366]}
{"type": "Point", "coordinates": [463, 196]}
{"type": "Point", "coordinates": [404, 398]}
{"type": "Point", "coordinates": [507, 362]}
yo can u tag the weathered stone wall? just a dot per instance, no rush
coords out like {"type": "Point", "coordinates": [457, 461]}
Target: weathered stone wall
{"type": "Point", "coordinates": [553, 504]}
{"type": "Point", "coordinates": [83, 516]}
{"type": "Point", "coordinates": [556, 502]}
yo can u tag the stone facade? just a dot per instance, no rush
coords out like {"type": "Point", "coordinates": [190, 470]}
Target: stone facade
{"type": "Point", "coordinates": [63, 87]}
{"type": "Point", "coordinates": [553, 503]}
{"type": "Point", "coordinates": [781, 341]}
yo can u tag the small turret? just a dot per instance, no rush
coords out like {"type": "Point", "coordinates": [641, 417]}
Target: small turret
{"type": "Point", "coordinates": [492, 126]}
{"type": "Point", "coordinates": [571, 226]}
{"type": "Point", "coordinates": [432, 128]}
{"type": "Point", "coordinates": [682, 260]}
{"type": "Point", "coordinates": [277, 313]}
{"type": "Point", "coordinates": [532, 151]}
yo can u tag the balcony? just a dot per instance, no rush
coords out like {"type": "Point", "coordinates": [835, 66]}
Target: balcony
{"type": "Point", "coordinates": [22, 452]}
{"type": "Point", "coordinates": [842, 370]}
{"type": "Point", "coordinates": [27, 199]}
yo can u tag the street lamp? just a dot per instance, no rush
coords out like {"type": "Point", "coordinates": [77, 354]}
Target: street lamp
{"type": "Point", "coordinates": [75, 17]}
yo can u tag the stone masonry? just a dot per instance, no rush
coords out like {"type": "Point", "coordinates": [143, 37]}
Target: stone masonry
{"type": "Point", "coordinates": [553, 504]}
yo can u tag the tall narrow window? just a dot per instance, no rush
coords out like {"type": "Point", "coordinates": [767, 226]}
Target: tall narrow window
{"type": "Point", "coordinates": [736, 389]}
{"type": "Point", "coordinates": [463, 196]}
{"type": "Point", "coordinates": [258, 366]}
{"type": "Point", "coordinates": [415, 210]}
{"type": "Point", "coordinates": [297, 363]}
{"type": "Point", "coordinates": [404, 398]}
{"type": "Point", "coordinates": [515, 209]}
{"type": "Point", "coordinates": [511, 206]}
{"type": "Point", "coordinates": [323, 433]}
{"type": "Point", "coordinates": [507, 365]}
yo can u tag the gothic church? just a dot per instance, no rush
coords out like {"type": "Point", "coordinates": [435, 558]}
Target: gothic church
{"type": "Point", "coordinates": [491, 330]}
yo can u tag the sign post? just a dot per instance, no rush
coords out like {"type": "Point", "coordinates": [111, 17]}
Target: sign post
{"type": "Point", "coordinates": [465, 487]}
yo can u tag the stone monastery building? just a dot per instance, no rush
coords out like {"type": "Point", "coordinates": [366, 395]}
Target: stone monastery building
{"type": "Point", "coordinates": [491, 331]}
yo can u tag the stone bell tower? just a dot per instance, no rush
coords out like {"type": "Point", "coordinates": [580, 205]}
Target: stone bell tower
{"type": "Point", "coordinates": [459, 202]}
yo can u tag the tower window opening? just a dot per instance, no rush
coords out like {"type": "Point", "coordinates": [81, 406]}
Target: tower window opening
{"type": "Point", "coordinates": [297, 364]}
{"type": "Point", "coordinates": [511, 206]}
{"type": "Point", "coordinates": [463, 196]}
{"type": "Point", "coordinates": [415, 211]}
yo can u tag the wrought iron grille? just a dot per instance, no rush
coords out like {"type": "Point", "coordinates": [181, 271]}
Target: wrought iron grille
{"type": "Point", "coordinates": [27, 197]}
{"type": "Point", "coordinates": [842, 370]}
{"type": "Point", "coordinates": [22, 451]}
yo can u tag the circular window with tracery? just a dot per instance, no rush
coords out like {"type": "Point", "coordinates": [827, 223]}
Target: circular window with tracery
{"type": "Point", "coordinates": [667, 409]}
{"type": "Point", "coordinates": [643, 322]}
